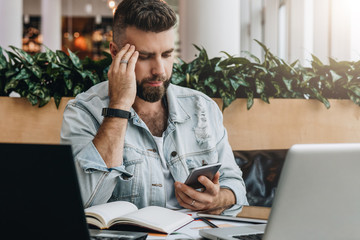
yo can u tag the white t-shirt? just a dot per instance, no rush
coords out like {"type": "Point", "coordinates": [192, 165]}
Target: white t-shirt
{"type": "Point", "coordinates": [171, 201]}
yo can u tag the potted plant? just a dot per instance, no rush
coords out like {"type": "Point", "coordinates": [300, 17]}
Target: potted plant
{"type": "Point", "coordinates": [45, 77]}
{"type": "Point", "coordinates": [240, 77]}
{"type": "Point", "coordinates": [295, 92]}
{"type": "Point", "coordinates": [49, 74]}
{"type": "Point", "coordinates": [236, 83]}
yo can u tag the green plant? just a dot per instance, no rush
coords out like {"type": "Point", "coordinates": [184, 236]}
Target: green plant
{"type": "Point", "coordinates": [49, 74]}
{"type": "Point", "coordinates": [232, 77]}
{"type": "Point", "coordinates": [56, 74]}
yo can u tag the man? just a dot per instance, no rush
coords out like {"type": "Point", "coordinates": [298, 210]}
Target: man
{"type": "Point", "coordinates": [152, 133]}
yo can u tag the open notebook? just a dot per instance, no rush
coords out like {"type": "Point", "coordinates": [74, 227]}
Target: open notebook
{"type": "Point", "coordinates": [318, 197]}
{"type": "Point", "coordinates": [40, 195]}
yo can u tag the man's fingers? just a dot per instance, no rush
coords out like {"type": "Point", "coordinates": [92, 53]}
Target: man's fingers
{"type": "Point", "coordinates": [132, 61]}
{"type": "Point", "coordinates": [120, 55]}
{"type": "Point", "coordinates": [210, 186]}
{"type": "Point", "coordinates": [126, 57]}
{"type": "Point", "coordinates": [184, 199]}
{"type": "Point", "coordinates": [216, 178]}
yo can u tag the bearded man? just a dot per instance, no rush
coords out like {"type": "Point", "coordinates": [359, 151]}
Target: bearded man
{"type": "Point", "coordinates": [136, 136]}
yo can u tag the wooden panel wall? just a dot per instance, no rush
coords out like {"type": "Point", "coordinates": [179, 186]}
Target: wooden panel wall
{"type": "Point", "coordinates": [285, 122]}
{"type": "Point", "coordinates": [22, 123]}
{"type": "Point", "coordinates": [277, 125]}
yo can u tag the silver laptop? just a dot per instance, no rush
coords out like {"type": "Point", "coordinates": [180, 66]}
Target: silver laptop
{"type": "Point", "coordinates": [318, 197]}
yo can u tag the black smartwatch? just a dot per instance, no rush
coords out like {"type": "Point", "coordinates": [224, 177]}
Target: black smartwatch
{"type": "Point", "coordinates": [112, 112]}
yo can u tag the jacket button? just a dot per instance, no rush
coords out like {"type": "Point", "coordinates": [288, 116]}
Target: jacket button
{"type": "Point", "coordinates": [173, 154]}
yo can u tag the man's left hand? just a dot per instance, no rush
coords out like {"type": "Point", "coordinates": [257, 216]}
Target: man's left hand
{"type": "Point", "coordinates": [212, 198]}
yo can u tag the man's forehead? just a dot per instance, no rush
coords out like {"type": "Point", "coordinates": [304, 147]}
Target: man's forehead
{"type": "Point", "coordinates": [150, 42]}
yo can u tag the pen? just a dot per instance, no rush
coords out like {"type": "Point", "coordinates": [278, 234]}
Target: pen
{"type": "Point", "coordinates": [208, 222]}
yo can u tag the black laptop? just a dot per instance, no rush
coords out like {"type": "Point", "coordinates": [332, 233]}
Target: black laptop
{"type": "Point", "coordinates": [40, 196]}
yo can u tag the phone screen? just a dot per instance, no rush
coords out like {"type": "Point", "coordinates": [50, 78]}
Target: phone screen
{"type": "Point", "coordinates": [208, 170]}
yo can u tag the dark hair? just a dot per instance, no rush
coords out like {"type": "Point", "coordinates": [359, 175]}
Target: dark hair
{"type": "Point", "coordinates": [146, 15]}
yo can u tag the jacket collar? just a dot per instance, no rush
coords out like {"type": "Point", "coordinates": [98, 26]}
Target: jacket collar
{"type": "Point", "coordinates": [177, 112]}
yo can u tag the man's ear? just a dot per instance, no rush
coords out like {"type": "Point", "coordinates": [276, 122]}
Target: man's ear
{"type": "Point", "coordinates": [113, 49]}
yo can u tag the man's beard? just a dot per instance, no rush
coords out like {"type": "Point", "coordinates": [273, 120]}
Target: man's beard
{"type": "Point", "coordinates": [152, 94]}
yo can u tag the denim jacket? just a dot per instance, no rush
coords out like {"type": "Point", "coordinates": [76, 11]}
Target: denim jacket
{"type": "Point", "coordinates": [195, 136]}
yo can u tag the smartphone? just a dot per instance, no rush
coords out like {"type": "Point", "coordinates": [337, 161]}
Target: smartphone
{"type": "Point", "coordinates": [208, 170]}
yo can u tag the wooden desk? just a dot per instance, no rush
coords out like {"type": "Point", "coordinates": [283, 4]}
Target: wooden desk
{"type": "Point", "coordinates": [255, 212]}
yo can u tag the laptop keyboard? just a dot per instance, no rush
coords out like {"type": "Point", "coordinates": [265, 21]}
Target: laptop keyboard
{"type": "Point", "coordinates": [96, 234]}
{"type": "Point", "coordinates": [119, 237]}
{"type": "Point", "coordinates": [250, 237]}
{"type": "Point", "coordinates": [108, 238]}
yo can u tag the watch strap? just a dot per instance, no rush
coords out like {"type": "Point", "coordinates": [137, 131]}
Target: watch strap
{"type": "Point", "coordinates": [113, 112]}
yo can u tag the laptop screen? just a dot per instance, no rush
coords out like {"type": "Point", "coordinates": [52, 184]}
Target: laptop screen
{"type": "Point", "coordinates": [40, 197]}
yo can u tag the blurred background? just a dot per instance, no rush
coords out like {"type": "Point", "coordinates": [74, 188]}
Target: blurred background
{"type": "Point", "coordinates": [292, 29]}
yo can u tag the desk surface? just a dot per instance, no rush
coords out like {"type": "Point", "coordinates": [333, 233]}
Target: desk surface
{"type": "Point", "coordinates": [255, 212]}
{"type": "Point", "coordinates": [191, 230]}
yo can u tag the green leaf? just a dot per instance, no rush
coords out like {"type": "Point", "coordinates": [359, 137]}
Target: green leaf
{"type": "Point", "coordinates": [264, 97]}
{"type": "Point", "coordinates": [288, 83]}
{"type": "Point", "coordinates": [278, 89]}
{"type": "Point", "coordinates": [57, 99]}
{"type": "Point", "coordinates": [354, 98]}
{"type": "Point", "coordinates": [3, 61]}
{"type": "Point", "coordinates": [50, 55]}
{"type": "Point", "coordinates": [227, 54]}
{"type": "Point", "coordinates": [241, 80]}
{"type": "Point", "coordinates": [260, 86]}
{"type": "Point", "coordinates": [227, 98]}
{"type": "Point", "coordinates": [349, 77]}
{"type": "Point", "coordinates": [44, 101]}
{"type": "Point", "coordinates": [79, 88]}
{"type": "Point", "coordinates": [226, 83]}
{"type": "Point", "coordinates": [82, 74]}
{"type": "Point", "coordinates": [256, 59]}
{"type": "Point", "coordinates": [260, 68]}
{"type": "Point", "coordinates": [54, 65]}
{"type": "Point", "coordinates": [355, 89]}
{"type": "Point", "coordinates": [23, 55]}
{"type": "Point", "coordinates": [321, 98]}
{"type": "Point", "coordinates": [234, 83]}
{"type": "Point", "coordinates": [63, 58]}
{"type": "Point", "coordinates": [10, 73]}
{"type": "Point", "coordinates": [316, 60]}
{"type": "Point", "coordinates": [250, 98]}
{"type": "Point", "coordinates": [209, 80]}
{"type": "Point", "coordinates": [23, 74]}
{"type": "Point", "coordinates": [178, 78]}
{"type": "Point", "coordinates": [75, 60]}
{"type": "Point", "coordinates": [198, 48]}
{"type": "Point", "coordinates": [335, 76]}
{"type": "Point", "coordinates": [11, 85]}
{"type": "Point", "coordinates": [93, 77]}
{"type": "Point", "coordinates": [40, 57]}
{"type": "Point", "coordinates": [36, 70]}
{"type": "Point", "coordinates": [68, 83]}
{"type": "Point", "coordinates": [233, 61]}
{"type": "Point", "coordinates": [39, 92]}
{"type": "Point", "coordinates": [32, 99]}
{"type": "Point", "coordinates": [290, 67]}
{"type": "Point", "coordinates": [213, 88]}
{"type": "Point", "coordinates": [262, 46]}
{"type": "Point", "coordinates": [13, 58]}
{"type": "Point", "coordinates": [293, 64]}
